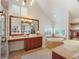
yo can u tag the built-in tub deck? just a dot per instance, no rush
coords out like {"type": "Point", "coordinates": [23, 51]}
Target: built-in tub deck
{"type": "Point", "coordinates": [54, 42]}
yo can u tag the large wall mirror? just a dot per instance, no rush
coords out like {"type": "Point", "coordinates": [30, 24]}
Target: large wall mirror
{"type": "Point", "coordinates": [22, 25]}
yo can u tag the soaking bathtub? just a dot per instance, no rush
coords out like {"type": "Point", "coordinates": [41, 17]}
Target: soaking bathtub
{"type": "Point", "coordinates": [54, 42]}
{"type": "Point", "coordinates": [71, 42]}
{"type": "Point", "coordinates": [72, 45]}
{"type": "Point", "coordinates": [55, 39]}
{"type": "Point", "coordinates": [69, 50]}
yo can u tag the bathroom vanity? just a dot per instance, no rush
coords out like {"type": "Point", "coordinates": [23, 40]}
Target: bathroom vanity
{"type": "Point", "coordinates": [30, 42]}
{"type": "Point", "coordinates": [25, 30]}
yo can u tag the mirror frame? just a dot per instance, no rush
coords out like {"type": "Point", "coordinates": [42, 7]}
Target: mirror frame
{"type": "Point", "coordinates": [10, 26]}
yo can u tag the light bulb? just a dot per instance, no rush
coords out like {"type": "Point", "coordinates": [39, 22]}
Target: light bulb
{"type": "Point", "coordinates": [29, 20]}
{"type": "Point", "coordinates": [23, 3]}
{"type": "Point", "coordinates": [22, 19]}
{"type": "Point", "coordinates": [32, 2]}
{"type": "Point", "coordinates": [26, 20]}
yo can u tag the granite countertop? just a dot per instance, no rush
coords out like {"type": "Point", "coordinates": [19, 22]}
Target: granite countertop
{"type": "Point", "coordinates": [22, 37]}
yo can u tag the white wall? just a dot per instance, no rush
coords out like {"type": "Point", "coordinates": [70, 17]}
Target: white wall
{"type": "Point", "coordinates": [60, 16]}
{"type": "Point", "coordinates": [58, 11]}
{"type": "Point", "coordinates": [44, 22]}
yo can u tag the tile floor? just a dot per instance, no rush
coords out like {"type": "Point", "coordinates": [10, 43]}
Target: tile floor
{"type": "Point", "coordinates": [19, 53]}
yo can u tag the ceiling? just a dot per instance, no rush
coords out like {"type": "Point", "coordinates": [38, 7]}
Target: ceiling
{"type": "Point", "coordinates": [50, 6]}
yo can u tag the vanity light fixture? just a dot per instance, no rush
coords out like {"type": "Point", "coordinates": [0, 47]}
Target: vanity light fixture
{"type": "Point", "coordinates": [26, 20]}
{"type": "Point", "coordinates": [22, 19]}
{"type": "Point", "coordinates": [30, 21]}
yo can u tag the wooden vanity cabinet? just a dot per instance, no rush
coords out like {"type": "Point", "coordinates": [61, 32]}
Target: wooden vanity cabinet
{"type": "Point", "coordinates": [56, 56]}
{"type": "Point", "coordinates": [31, 43]}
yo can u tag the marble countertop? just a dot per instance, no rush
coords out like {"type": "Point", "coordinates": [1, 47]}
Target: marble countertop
{"type": "Point", "coordinates": [22, 37]}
